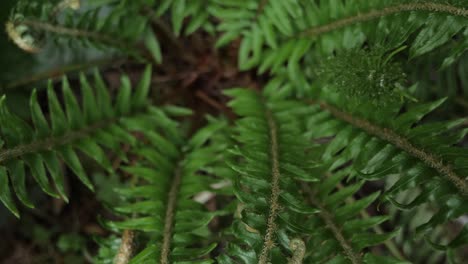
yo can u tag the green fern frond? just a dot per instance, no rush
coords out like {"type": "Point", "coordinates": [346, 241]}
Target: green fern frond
{"type": "Point", "coordinates": [382, 142]}
{"type": "Point", "coordinates": [340, 233]}
{"type": "Point", "coordinates": [271, 156]}
{"type": "Point", "coordinates": [164, 207]}
{"type": "Point", "coordinates": [448, 82]}
{"type": "Point", "coordinates": [410, 220]}
{"type": "Point", "coordinates": [275, 33]}
{"type": "Point", "coordinates": [258, 23]}
{"type": "Point", "coordinates": [35, 25]}
{"type": "Point", "coordinates": [72, 128]}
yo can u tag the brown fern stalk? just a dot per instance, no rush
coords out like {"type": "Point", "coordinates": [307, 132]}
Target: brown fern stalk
{"type": "Point", "coordinates": [126, 248]}
{"type": "Point", "coordinates": [169, 218]}
{"type": "Point", "coordinates": [269, 239]}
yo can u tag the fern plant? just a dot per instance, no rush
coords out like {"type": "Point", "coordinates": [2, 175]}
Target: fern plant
{"type": "Point", "coordinates": [341, 147]}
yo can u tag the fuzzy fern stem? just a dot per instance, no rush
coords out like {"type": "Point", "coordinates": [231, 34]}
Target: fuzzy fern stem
{"type": "Point", "coordinates": [327, 217]}
{"type": "Point", "coordinates": [374, 14]}
{"type": "Point", "coordinates": [402, 143]}
{"type": "Point", "coordinates": [126, 248]}
{"type": "Point", "coordinates": [76, 33]}
{"type": "Point", "coordinates": [170, 214]}
{"type": "Point", "coordinates": [268, 241]}
{"type": "Point", "coordinates": [52, 142]}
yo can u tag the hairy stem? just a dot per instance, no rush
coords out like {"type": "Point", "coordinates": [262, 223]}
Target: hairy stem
{"type": "Point", "coordinates": [404, 144]}
{"type": "Point", "coordinates": [327, 217]}
{"type": "Point", "coordinates": [269, 239]}
{"type": "Point", "coordinates": [51, 142]}
{"type": "Point", "coordinates": [74, 32]}
{"type": "Point", "coordinates": [169, 218]}
{"type": "Point", "coordinates": [374, 14]}
{"type": "Point", "coordinates": [126, 248]}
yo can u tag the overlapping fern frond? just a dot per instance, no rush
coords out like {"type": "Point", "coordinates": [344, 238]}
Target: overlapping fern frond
{"type": "Point", "coordinates": [340, 231]}
{"type": "Point", "coordinates": [381, 142]}
{"type": "Point", "coordinates": [275, 168]}
{"type": "Point", "coordinates": [173, 172]}
{"type": "Point", "coordinates": [290, 180]}
{"type": "Point", "coordinates": [271, 156]}
{"type": "Point", "coordinates": [96, 125]}
{"type": "Point", "coordinates": [450, 82]}
{"type": "Point", "coordinates": [417, 247]}
{"type": "Point", "coordinates": [277, 33]}
{"type": "Point", "coordinates": [119, 27]}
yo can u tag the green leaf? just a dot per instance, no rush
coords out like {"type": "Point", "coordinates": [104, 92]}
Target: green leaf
{"type": "Point", "coordinates": [435, 35]}
{"type": "Point", "coordinates": [182, 253]}
{"type": "Point", "coordinates": [73, 110]}
{"type": "Point", "coordinates": [365, 240]}
{"type": "Point", "coordinates": [152, 44]}
{"type": "Point", "coordinates": [71, 159]}
{"type": "Point", "coordinates": [404, 121]}
{"type": "Point", "coordinates": [123, 101]}
{"type": "Point", "coordinates": [93, 150]}
{"type": "Point", "coordinates": [18, 178]}
{"type": "Point", "coordinates": [140, 97]}
{"type": "Point", "coordinates": [36, 166]}
{"type": "Point", "coordinates": [5, 194]}
{"type": "Point", "coordinates": [89, 100]}
{"type": "Point", "coordinates": [40, 122]}
{"type": "Point", "coordinates": [369, 258]}
{"type": "Point", "coordinates": [178, 14]}
{"type": "Point", "coordinates": [53, 165]}
{"type": "Point", "coordinates": [102, 96]}
{"type": "Point", "coordinates": [57, 117]}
